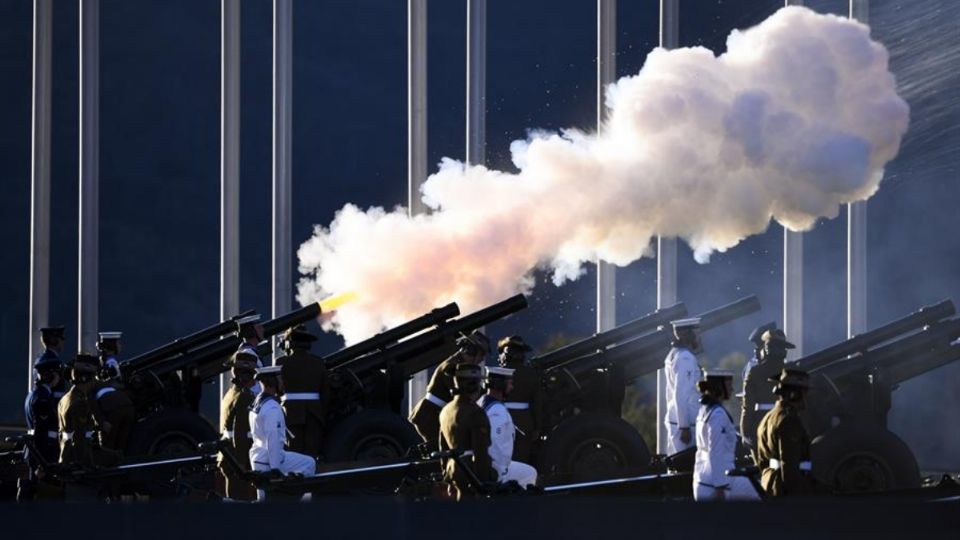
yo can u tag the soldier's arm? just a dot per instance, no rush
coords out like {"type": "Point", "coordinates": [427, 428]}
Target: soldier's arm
{"type": "Point", "coordinates": [43, 407]}
{"type": "Point", "coordinates": [480, 436]}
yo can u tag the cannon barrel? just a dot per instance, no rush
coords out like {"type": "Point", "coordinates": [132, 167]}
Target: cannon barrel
{"type": "Point", "coordinates": [602, 340]}
{"type": "Point", "coordinates": [214, 353]}
{"type": "Point", "coordinates": [861, 343]}
{"type": "Point", "coordinates": [181, 345]}
{"type": "Point", "coordinates": [389, 337]}
{"type": "Point", "coordinates": [902, 359]}
{"type": "Point", "coordinates": [645, 354]}
{"type": "Point", "coordinates": [431, 347]}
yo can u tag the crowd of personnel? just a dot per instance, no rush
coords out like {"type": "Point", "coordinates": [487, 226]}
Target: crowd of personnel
{"type": "Point", "coordinates": [272, 417]}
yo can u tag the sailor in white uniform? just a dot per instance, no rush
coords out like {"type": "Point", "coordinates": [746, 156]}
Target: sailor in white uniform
{"type": "Point", "coordinates": [502, 429]}
{"type": "Point", "coordinates": [717, 444]}
{"type": "Point", "coordinates": [268, 430]}
{"type": "Point", "coordinates": [682, 371]}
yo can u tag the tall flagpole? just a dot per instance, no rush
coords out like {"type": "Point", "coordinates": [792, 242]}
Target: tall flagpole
{"type": "Point", "coordinates": [89, 249]}
{"type": "Point", "coordinates": [282, 163]}
{"type": "Point", "coordinates": [857, 233]}
{"type": "Point", "coordinates": [606, 74]}
{"type": "Point", "coordinates": [229, 165]}
{"type": "Point", "coordinates": [40, 181]}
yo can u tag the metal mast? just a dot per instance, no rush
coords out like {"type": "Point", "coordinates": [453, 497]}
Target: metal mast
{"type": "Point", "coordinates": [88, 253]}
{"type": "Point", "coordinates": [857, 233]}
{"type": "Point", "coordinates": [666, 247]}
{"type": "Point", "coordinates": [282, 164]}
{"type": "Point", "coordinates": [793, 278]}
{"type": "Point", "coordinates": [476, 81]}
{"type": "Point", "coordinates": [229, 164]}
{"type": "Point", "coordinates": [606, 73]}
{"type": "Point", "coordinates": [40, 180]}
{"type": "Point", "coordinates": [416, 136]}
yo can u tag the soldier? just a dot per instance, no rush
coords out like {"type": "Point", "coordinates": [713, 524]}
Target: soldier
{"type": "Point", "coordinates": [41, 415]}
{"type": "Point", "coordinates": [682, 373]}
{"type": "Point", "coordinates": [465, 427]}
{"type": "Point", "coordinates": [717, 444]}
{"type": "Point", "coordinates": [109, 347]}
{"type": "Point", "coordinates": [269, 430]}
{"type": "Point", "coordinates": [783, 447]}
{"type": "Point", "coordinates": [426, 415]}
{"type": "Point", "coordinates": [113, 403]}
{"type": "Point", "coordinates": [526, 399]}
{"type": "Point", "coordinates": [251, 332]}
{"type": "Point", "coordinates": [502, 430]}
{"type": "Point", "coordinates": [52, 339]}
{"type": "Point", "coordinates": [758, 396]}
{"type": "Point", "coordinates": [305, 392]}
{"type": "Point", "coordinates": [235, 424]}
{"type": "Point", "coordinates": [78, 419]}
{"type": "Point", "coordinates": [755, 338]}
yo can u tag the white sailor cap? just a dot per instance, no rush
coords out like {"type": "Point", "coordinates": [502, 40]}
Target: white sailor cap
{"type": "Point", "coordinates": [267, 370]}
{"type": "Point", "coordinates": [494, 371]}
{"type": "Point", "coordinates": [693, 322]}
{"type": "Point", "coordinates": [106, 336]}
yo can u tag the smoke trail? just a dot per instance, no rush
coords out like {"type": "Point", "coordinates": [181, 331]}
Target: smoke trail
{"type": "Point", "coordinates": [799, 116]}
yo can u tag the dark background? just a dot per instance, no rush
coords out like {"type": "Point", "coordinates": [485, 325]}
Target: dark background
{"type": "Point", "coordinates": [160, 91]}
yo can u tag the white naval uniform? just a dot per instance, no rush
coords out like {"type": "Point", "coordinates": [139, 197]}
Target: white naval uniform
{"type": "Point", "coordinates": [683, 401]}
{"type": "Point", "coordinates": [268, 430]}
{"type": "Point", "coordinates": [716, 446]}
{"type": "Point", "coordinates": [502, 434]}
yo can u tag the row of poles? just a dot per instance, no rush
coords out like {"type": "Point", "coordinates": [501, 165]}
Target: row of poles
{"type": "Point", "coordinates": [416, 173]}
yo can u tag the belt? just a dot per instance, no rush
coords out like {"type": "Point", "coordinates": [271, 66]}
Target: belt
{"type": "Point", "coordinates": [763, 406]}
{"type": "Point", "coordinates": [104, 391]}
{"type": "Point", "coordinates": [435, 400]}
{"type": "Point", "coordinates": [776, 464]}
{"type": "Point", "coordinates": [300, 396]}
{"type": "Point", "coordinates": [229, 435]}
{"type": "Point", "coordinates": [51, 434]}
{"type": "Point", "coordinates": [68, 435]}
{"type": "Point", "coordinates": [517, 405]}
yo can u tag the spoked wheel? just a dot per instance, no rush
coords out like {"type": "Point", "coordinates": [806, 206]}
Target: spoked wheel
{"type": "Point", "coordinates": [854, 459]}
{"type": "Point", "coordinates": [593, 446]}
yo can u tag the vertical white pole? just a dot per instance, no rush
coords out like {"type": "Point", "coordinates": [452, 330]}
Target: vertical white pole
{"type": "Point", "coordinates": [229, 164]}
{"type": "Point", "coordinates": [666, 247]}
{"type": "Point", "coordinates": [88, 281]}
{"type": "Point", "coordinates": [793, 278]}
{"type": "Point", "coordinates": [282, 164]}
{"type": "Point", "coordinates": [40, 180]}
{"type": "Point", "coordinates": [476, 81]}
{"type": "Point", "coordinates": [606, 73]}
{"type": "Point", "coordinates": [416, 136]}
{"type": "Point", "coordinates": [857, 233]}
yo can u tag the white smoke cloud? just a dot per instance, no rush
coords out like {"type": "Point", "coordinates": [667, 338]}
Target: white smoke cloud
{"type": "Point", "coordinates": [797, 118]}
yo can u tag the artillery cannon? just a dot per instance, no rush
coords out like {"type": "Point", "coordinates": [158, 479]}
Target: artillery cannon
{"type": "Point", "coordinates": [585, 437]}
{"type": "Point", "coordinates": [165, 383]}
{"type": "Point", "coordinates": [851, 394]}
{"type": "Point", "coordinates": [364, 421]}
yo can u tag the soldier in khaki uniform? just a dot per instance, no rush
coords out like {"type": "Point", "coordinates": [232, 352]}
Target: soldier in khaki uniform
{"type": "Point", "coordinates": [464, 426]}
{"type": "Point", "coordinates": [305, 392]}
{"type": "Point", "coordinates": [426, 415]}
{"type": "Point", "coordinates": [235, 425]}
{"type": "Point", "coordinates": [78, 416]}
{"type": "Point", "coordinates": [783, 446]}
{"type": "Point", "coordinates": [525, 400]}
{"type": "Point", "coordinates": [758, 395]}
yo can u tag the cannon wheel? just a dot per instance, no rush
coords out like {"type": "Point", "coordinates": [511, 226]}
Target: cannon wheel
{"type": "Point", "coordinates": [169, 432]}
{"type": "Point", "coordinates": [593, 446]}
{"type": "Point", "coordinates": [854, 459]}
{"type": "Point", "coordinates": [370, 435]}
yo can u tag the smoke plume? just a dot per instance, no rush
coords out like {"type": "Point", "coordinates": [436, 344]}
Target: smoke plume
{"type": "Point", "coordinates": [797, 118]}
